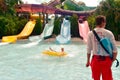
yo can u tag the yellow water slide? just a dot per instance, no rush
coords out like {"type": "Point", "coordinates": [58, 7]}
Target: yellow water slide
{"type": "Point", "coordinates": [27, 30]}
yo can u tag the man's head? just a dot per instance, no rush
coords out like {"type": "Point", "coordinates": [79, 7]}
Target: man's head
{"type": "Point", "coordinates": [101, 21]}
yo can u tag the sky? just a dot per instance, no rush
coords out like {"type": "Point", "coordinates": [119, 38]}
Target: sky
{"type": "Point", "coordinates": [91, 3]}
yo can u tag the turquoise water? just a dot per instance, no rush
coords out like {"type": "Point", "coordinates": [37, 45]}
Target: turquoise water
{"type": "Point", "coordinates": [28, 63]}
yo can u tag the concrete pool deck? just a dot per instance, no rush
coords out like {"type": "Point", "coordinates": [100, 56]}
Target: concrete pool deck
{"type": "Point", "coordinates": [77, 39]}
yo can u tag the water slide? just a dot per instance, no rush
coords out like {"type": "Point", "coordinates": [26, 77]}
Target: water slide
{"type": "Point", "coordinates": [83, 30]}
{"type": "Point", "coordinates": [24, 33]}
{"type": "Point", "coordinates": [48, 29]}
{"type": "Point", "coordinates": [65, 35]}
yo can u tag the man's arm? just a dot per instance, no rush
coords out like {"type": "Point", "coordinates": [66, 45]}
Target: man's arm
{"type": "Point", "coordinates": [88, 60]}
{"type": "Point", "coordinates": [114, 56]}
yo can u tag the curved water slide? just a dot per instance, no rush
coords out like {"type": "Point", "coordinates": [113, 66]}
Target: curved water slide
{"type": "Point", "coordinates": [83, 30]}
{"type": "Point", "coordinates": [27, 30]}
{"type": "Point", "coordinates": [48, 29]}
{"type": "Point", "coordinates": [65, 35]}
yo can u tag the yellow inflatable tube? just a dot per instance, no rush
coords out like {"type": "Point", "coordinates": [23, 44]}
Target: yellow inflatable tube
{"type": "Point", "coordinates": [54, 53]}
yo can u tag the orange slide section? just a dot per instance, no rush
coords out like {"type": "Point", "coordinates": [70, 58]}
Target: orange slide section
{"type": "Point", "coordinates": [25, 33]}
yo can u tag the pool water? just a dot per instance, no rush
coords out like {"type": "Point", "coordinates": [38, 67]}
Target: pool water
{"type": "Point", "coordinates": [28, 63]}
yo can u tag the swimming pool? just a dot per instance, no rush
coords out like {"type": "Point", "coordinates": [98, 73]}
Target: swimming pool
{"type": "Point", "coordinates": [28, 63]}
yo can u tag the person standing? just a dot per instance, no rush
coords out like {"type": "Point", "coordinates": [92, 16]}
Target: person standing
{"type": "Point", "coordinates": [101, 62]}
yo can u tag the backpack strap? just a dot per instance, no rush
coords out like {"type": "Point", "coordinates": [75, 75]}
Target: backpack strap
{"type": "Point", "coordinates": [98, 38]}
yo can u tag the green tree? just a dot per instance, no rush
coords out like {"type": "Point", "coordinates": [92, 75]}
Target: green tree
{"type": "Point", "coordinates": [3, 6]}
{"type": "Point", "coordinates": [110, 8]}
{"type": "Point", "coordinates": [38, 27]}
{"type": "Point", "coordinates": [91, 21]}
{"type": "Point", "coordinates": [10, 24]}
{"type": "Point", "coordinates": [74, 25]}
{"type": "Point", "coordinates": [57, 25]}
{"type": "Point", "coordinates": [8, 6]}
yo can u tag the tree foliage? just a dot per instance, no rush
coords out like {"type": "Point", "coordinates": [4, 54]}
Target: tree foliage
{"type": "Point", "coordinates": [10, 24]}
{"type": "Point", "coordinates": [8, 6]}
{"type": "Point", "coordinates": [74, 25]}
{"type": "Point", "coordinates": [111, 9]}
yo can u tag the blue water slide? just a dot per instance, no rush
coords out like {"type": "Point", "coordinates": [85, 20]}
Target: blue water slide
{"type": "Point", "coordinates": [65, 33]}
